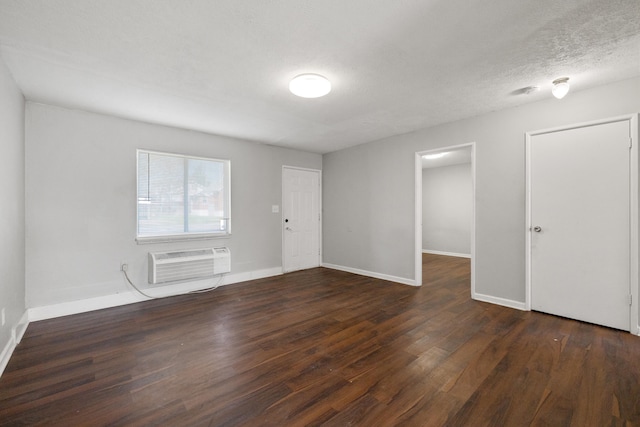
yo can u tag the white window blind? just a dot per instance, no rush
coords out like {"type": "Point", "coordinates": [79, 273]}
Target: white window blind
{"type": "Point", "coordinates": [181, 196]}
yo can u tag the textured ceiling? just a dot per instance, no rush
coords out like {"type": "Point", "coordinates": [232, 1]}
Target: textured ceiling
{"type": "Point", "coordinates": [223, 66]}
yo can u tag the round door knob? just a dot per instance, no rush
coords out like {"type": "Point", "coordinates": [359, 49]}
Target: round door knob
{"type": "Point", "coordinates": [537, 229]}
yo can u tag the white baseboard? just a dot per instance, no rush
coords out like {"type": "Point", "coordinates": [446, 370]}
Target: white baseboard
{"type": "Point", "coordinates": [7, 351]}
{"type": "Point", "coordinates": [375, 275]}
{"type": "Point", "coordinates": [17, 333]}
{"type": "Point", "coordinates": [429, 251]}
{"type": "Point", "coordinates": [499, 301]}
{"type": "Point", "coordinates": [19, 330]}
{"type": "Point", "coordinates": [131, 296]}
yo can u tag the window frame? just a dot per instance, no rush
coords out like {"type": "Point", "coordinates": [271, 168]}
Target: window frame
{"type": "Point", "coordinates": [173, 237]}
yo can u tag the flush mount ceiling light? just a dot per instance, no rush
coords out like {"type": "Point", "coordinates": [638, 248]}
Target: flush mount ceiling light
{"type": "Point", "coordinates": [560, 87]}
{"type": "Point", "coordinates": [310, 86]}
{"type": "Point", "coordinates": [434, 156]}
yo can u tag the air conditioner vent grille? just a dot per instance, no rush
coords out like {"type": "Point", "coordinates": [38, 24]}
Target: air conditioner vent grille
{"type": "Point", "coordinates": [188, 265]}
{"type": "Point", "coordinates": [184, 254]}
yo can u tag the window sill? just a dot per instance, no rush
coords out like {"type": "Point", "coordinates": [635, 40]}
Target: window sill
{"type": "Point", "coordinates": [180, 238]}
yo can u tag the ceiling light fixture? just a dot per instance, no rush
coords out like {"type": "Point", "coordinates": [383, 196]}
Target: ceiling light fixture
{"type": "Point", "coordinates": [560, 87]}
{"type": "Point", "coordinates": [310, 86]}
{"type": "Point", "coordinates": [433, 156]}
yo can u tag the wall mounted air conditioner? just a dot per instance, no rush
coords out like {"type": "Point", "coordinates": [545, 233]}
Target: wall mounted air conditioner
{"type": "Point", "coordinates": [188, 264]}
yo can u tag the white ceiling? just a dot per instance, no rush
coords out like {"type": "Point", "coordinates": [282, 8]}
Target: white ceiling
{"type": "Point", "coordinates": [223, 66]}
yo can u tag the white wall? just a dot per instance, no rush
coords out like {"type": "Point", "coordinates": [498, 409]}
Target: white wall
{"type": "Point", "coordinates": [12, 250]}
{"type": "Point", "coordinates": [447, 203]}
{"type": "Point", "coordinates": [81, 201]}
{"type": "Point", "coordinates": [369, 189]}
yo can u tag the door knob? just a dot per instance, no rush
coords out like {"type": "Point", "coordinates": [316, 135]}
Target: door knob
{"type": "Point", "coordinates": [537, 229]}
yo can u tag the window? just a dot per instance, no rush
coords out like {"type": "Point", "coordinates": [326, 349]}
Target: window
{"type": "Point", "coordinates": [182, 197]}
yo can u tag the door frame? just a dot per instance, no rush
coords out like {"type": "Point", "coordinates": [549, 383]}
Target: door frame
{"type": "Point", "coordinates": [282, 226]}
{"type": "Point", "coordinates": [418, 211]}
{"type": "Point", "coordinates": [634, 239]}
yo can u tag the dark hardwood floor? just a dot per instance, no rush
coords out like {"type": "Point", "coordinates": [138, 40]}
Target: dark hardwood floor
{"type": "Point", "coordinates": [323, 347]}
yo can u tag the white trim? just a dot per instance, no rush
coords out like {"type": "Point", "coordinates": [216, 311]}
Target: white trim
{"type": "Point", "coordinates": [82, 306]}
{"type": "Point", "coordinates": [623, 118]}
{"type": "Point", "coordinates": [500, 301]}
{"type": "Point", "coordinates": [373, 274]}
{"type": "Point", "coordinates": [7, 351]}
{"type": "Point", "coordinates": [181, 238]}
{"type": "Point", "coordinates": [320, 251]}
{"type": "Point", "coordinates": [455, 254]}
{"type": "Point", "coordinates": [19, 329]}
{"type": "Point", "coordinates": [418, 220]}
{"type": "Point", "coordinates": [527, 221]}
{"type": "Point", "coordinates": [130, 297]}
{"type": "Point", "coordinates": [473, 218]}
{"type": "Point", "coordinates": [418, 211]}
{"type": "Point", "coordinates": [634, 230]}
{"type": "Point", "coordinates": [17, 332]}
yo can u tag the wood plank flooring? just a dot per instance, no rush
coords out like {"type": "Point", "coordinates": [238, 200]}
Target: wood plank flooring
{"type": "Point", "coordinates": [323, 347]}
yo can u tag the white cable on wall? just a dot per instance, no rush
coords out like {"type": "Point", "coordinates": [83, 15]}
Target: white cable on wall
{"type": "Point", "coordinates": [199, 291]}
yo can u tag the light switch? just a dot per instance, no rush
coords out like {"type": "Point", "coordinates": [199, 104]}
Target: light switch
{"type": "Point", "coordinates": [275, 208]}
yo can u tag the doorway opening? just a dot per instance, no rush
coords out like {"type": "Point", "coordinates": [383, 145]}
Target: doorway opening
{"type": "Point", "coordinates": [451, 217]}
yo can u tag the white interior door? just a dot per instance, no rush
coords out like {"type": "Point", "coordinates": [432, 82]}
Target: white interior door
{"type": "Point", "coordinates": [580, 220]}
{"type": "Point", "coordinates": [301, 218]}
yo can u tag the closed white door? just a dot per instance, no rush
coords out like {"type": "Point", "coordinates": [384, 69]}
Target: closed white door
{"type": "Point", "coordinates": [579, 217]}
{"type": "Point", "coordinates": [301, 218]}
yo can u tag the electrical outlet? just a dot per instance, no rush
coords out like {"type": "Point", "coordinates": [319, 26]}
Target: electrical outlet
{"type": "Point", "coordinates": [124, 266]}
{"type": "Point", "coordinates": [3, 318]}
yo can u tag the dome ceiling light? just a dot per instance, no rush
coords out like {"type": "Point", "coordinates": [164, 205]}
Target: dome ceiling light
{"type": "Point", "coordinates": [310, 86]}
{"type": "Point", "coordinates": [560, 87]}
